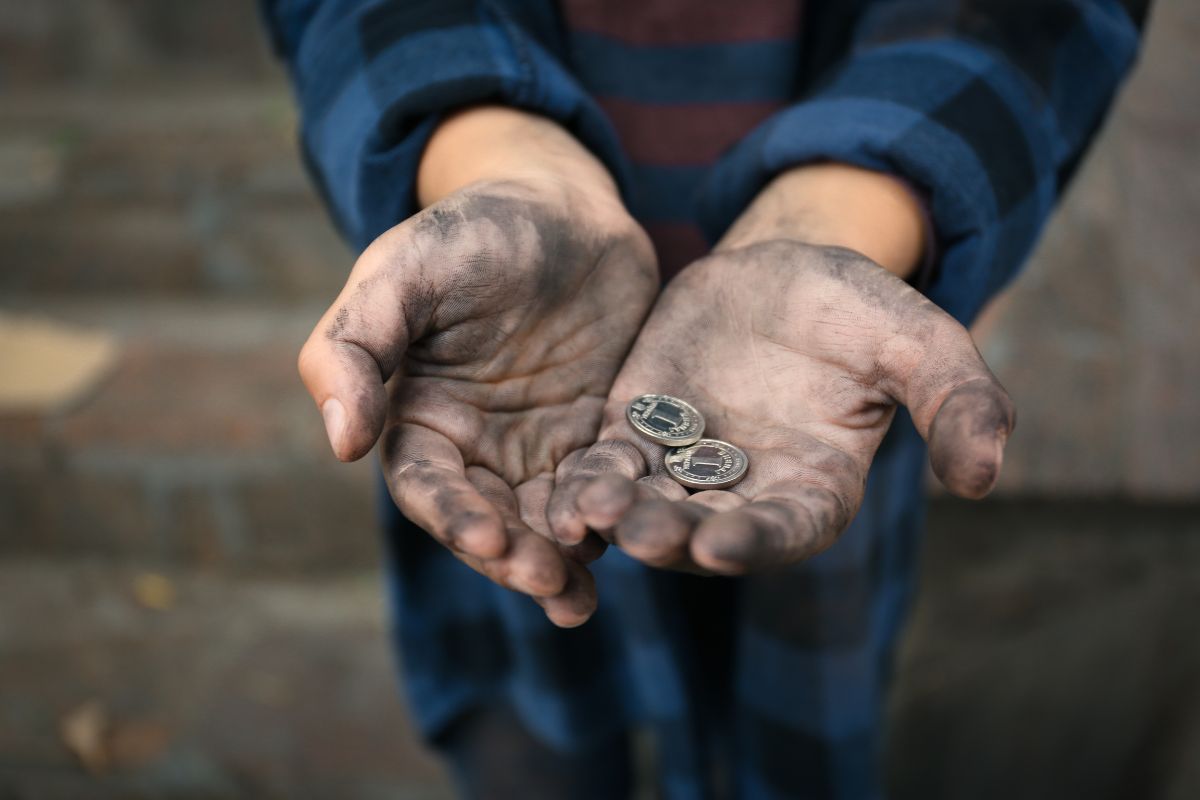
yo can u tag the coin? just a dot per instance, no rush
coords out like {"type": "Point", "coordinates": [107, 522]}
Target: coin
{"type": "Point", "coordinates": [707, 464]}
{"type": "Point", "coordinates": [665, 419]}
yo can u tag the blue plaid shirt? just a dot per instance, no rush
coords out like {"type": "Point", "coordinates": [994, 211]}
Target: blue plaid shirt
{"type": "Point", "coordinates": [983, 106]}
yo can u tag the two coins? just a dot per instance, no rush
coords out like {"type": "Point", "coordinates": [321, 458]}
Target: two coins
{"type": "Point", "coordinates": [691, 460]}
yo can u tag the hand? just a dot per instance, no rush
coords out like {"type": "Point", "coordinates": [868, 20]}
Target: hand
{"type": "Point", "coordinates": [799, 355]}
{"type": "Point", "coordinates": [497, 318]}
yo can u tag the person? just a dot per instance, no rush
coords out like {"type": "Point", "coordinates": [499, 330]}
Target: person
{"type": "Point", "coordinates": [830, 192]}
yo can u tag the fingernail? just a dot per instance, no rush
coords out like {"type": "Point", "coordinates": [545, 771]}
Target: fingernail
{"type": "Point", "coordinates": [335, 422]}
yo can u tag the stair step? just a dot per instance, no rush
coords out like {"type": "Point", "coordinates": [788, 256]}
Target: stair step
{"type": "Point", "coordinates": [199, 446]}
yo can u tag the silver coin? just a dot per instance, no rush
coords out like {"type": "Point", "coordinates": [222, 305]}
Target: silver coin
{"type": "Point", "coordinates": [707, 464]}
{"type": "Point", "coordinates": [665, 419]}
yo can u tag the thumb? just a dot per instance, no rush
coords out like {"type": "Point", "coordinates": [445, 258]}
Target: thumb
{"type": "Point", "coordinates": [354, 349]}
{"type": "Point", "coordinates": [961, 410]}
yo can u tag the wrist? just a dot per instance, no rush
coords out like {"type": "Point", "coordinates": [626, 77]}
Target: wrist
{"type": "Point", "coordinates": [497, 143]}
{"type": "Point", "coordinates": [872, 213]}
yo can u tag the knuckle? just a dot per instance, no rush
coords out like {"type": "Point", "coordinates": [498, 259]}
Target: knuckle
{"type": "Point", "coordinates": [731, 550]}
{"type": "Point", "coordinates": [650, 538]}
{"type": "Point", "coordinates": [950, 333]}
{"type": "Point", "coordinates": [613, 455]}
{"type": "Point", "coordinates": [308, 359]}
{"type": "Point", "coordinates": [462, 521]}
{"type": "Point", "coordinates": [654, 551]}
{"type": "Point", "coordinates": [545, 577]}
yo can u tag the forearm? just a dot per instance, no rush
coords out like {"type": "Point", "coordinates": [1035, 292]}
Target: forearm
{"type": "Point", "coordinates": [499, 143]}
{"type": "Point", "coordinates": [836, 204]}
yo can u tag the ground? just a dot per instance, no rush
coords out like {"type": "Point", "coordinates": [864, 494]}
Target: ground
{"type": "Point", "coordinates": [1053, 654]}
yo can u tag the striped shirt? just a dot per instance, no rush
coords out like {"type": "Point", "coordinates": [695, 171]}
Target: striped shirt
{"type": "Point", "coordinates": [695, 79]}
{"type": "Point", "coordinates": [984, 107]}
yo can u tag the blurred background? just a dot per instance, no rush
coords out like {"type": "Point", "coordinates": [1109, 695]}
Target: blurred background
{"type": "Point", "coordinates": [190, 603]}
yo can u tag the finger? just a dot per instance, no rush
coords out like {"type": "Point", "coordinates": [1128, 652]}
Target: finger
{"type": "Point", "coordinates": [532, 497]}
{"type": "Point", "coordinates": [357, 346]}
{"type": "Point", "coordinates": [604, 499]}
{"type": "Point", "coordinates": [718, 499]}
{"type": "Point", "coordinates": [967, 437]}
{"type": "Point", "coordinates": [527, 566]}
{"type": "Point", "coordinates": [657, 532]}
{"type": "Point", "coordinates": [427, 479]}
{"type": "Point", "coordinates": [617, 458]}
{"type": "Point", "coordinates": [532, 564]}
{"type": "Point", "coordinates": [959, 408]}
{"type": "Point", "coordinates": [576, 603]}
{"type": "Point", "coordinates": [770, 533]}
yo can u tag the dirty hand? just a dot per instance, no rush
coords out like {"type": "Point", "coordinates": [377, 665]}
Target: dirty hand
{"type": "Point", "coordinates": [478, 340]}
{"type": "Point", "coordinates": [798, 354]}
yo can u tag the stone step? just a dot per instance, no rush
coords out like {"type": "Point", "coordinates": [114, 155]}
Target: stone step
{"type": "Point", "coordinates": [207, 686]}
{"type": "Point", "coordinates": [198, 445]}
{"type": "Point", "coordinates": [49, 44]}
{"type": "Point", "coordinates": [1052, 654]}
{"type": "Point", "coordinates": [196, 192]}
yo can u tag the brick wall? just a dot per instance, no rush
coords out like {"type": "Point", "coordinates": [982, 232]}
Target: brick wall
{"type": "Point", "coordinates": [152, 193]}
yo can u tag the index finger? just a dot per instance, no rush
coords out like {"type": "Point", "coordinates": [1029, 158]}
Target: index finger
{"type": "Point", "coordinates": [427, 478]}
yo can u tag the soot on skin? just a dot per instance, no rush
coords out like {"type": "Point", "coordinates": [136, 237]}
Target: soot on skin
{"type": "Point", "coordinates": [767, 274]}
{"type": "Point", "coordinates": [518, 280]}
{"type": "Point", "coordinates": [907, 311]}
{"type": "Point", "coordinates": [462, 232]}
{"type": "Point", "coordinates": [560, 235]}
{"type": "Point", "coordinates": [512, 258]}
{"type": "Point", "coordinates": [441, 221]}
{"type": "Point", "coordinates": [340, 320]}
{"type": "Point", "coordinates": [868, 282]}
{"type": "Point", "coordinates": [966, 436]}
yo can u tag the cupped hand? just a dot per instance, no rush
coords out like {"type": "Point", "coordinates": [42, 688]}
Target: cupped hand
{"type": "Point", "coordinates": [799, 355]}
{"type": "Point", "coordinates": [478, 341]}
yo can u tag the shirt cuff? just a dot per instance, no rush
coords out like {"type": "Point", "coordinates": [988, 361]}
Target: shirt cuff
{"type": "Point", "coordinates": [956, 123]}
{"type": "Point", "coordinates": [368, 116]}
{"type": "Point", "coordinates": [922, 276]}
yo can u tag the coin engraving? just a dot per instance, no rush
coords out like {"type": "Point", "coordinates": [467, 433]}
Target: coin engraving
{"type": "Point", "coordinates": [707, 464]}
{"type": "Point", "coordinates": [666, 420]}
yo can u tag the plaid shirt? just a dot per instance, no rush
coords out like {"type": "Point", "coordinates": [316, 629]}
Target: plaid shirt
{"type": "Point", "coordinates": [984, 107]}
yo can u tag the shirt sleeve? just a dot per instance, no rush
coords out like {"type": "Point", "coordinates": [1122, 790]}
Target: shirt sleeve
{"type": "Point", "coordinates": [984, 107]}
{"type": "Point", "coordinates": [373, 77]}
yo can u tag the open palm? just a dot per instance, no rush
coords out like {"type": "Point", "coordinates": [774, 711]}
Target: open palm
{"type": "Point", "coordinates": [497, 318]}
{"type": "Point", "coordinates": [799, 355]}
